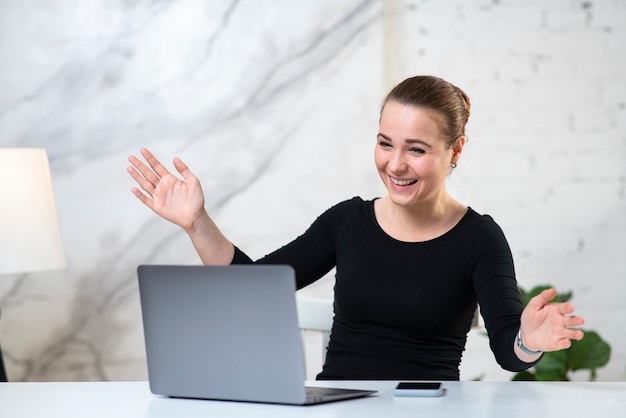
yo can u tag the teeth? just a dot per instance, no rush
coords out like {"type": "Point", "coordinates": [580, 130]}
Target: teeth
{"type": "Point", "coordinates": [402, 182]}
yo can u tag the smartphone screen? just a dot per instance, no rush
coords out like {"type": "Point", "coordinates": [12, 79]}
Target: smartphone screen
{"type": "Point", "coordinates": [419, 389]}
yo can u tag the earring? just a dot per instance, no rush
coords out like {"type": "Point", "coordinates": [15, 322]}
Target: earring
{"type": "Point", "coordinates": [453, 165]}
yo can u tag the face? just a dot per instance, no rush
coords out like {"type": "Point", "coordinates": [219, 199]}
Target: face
{"type": "Point", "coordinates": [411, 155]}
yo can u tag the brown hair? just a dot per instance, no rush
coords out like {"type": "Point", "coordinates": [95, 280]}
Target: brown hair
{"type": "Point", "coordinates": [433, 93]}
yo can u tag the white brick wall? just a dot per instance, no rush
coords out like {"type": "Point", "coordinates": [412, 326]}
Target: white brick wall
{"type": "Point", "coordinates": [547, 150]}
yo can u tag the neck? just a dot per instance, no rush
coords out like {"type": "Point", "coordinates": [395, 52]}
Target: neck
{"type": "Point", "coordinates": [418, 222]}
{"type": "Point", "coordinates": [427, 212]}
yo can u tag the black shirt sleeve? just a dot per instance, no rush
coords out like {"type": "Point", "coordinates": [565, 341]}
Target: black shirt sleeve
{"type": "Point", "coordinates": [312, 254]}
{"type": "Point", "coordinates": [497, 294]}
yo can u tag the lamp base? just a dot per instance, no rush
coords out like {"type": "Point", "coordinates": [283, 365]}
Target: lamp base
{"type": "Point", "coordinates": [3, 372]}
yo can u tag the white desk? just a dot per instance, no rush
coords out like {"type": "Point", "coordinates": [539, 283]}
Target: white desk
{"type": "Point", "coordinates": [462, 399]}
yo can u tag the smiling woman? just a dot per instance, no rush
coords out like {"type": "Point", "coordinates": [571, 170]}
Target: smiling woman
{"type": "Point", "coordinates": [410, 266]}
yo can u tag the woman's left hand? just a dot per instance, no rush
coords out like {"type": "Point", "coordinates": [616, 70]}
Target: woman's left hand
{"type": "Point", "coordinates": [548, 326]}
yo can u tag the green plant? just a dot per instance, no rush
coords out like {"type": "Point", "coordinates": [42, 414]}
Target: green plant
{"type": "Point", "coordinates": [590, 353]}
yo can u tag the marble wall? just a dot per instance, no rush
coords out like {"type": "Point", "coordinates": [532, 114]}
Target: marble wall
{"type": "Point", "coordinates": [274, 105]}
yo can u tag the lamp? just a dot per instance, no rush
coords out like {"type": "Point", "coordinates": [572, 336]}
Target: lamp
{"type": "Point", "coordinates": [30, 240]}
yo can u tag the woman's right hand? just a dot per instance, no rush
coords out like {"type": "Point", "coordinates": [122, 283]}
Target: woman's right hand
{"type": "Point", "coordinates": [178, 201]}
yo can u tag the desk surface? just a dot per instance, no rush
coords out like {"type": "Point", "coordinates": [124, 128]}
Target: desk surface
{"type": "Point", "coordinates": [465, 399]}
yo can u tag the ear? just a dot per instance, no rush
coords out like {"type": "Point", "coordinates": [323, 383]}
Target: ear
{"type": "Point", "coordinates": [457, 148]}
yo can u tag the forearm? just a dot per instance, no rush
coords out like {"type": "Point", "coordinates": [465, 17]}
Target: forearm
{"type": "Point", "coordinates": [210, 244]}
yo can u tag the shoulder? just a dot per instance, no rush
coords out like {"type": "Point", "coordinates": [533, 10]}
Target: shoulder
{"type": "Point", "coordinates": [481, 221]}
{"type": "Point", "coordinates": [348, 210]}
{"type": "Point", "coordinates": [484, 230]}
{"type": "Point", "coordinates": [352, 205]}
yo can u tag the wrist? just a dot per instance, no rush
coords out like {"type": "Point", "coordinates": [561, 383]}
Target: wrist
{"type": "Point", "coordinates": [200, 225]}
{"type": "Point", "coordinates": [522, 347]}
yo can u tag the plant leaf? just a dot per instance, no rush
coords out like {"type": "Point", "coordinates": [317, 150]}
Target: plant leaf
{"type": "Point", "coordinates": [552, 375]}
{"type": "Point", "coordinates": [589, 353]}
{"type": "Point", "coordinates": [563, 297]}
{"type": "Point", "coordinates": [527, 296]}
{"type": "Point", "coordinates": [553, 363]}
{"type": "Point", "coordinates": [524, 376]}
{"type": "Point", "coordinates": [534, 292]}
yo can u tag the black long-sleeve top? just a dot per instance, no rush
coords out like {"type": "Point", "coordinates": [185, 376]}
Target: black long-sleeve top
{"type": "Point", "coordinates": [403, 310]}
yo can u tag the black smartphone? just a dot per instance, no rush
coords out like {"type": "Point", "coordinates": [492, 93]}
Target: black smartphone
{"type": "Point", "coordinates": [430, 389]}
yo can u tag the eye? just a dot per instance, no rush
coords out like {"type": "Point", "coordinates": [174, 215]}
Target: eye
{"type": "Point", "coordinates": [384, 144]}
{"type": "Point", "coordinates": [416, 150]}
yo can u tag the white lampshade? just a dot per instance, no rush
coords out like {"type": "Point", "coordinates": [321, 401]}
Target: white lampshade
{"type": "Point", "coordinates": [30, 240]}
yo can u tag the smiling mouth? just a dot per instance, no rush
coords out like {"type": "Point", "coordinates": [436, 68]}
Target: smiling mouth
{"type": "Point", "coordinates": [399, 182]}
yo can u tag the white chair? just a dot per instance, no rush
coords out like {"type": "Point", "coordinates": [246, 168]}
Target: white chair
{"type": "Point", "coordinates": [316, 315]}
{"type": "Point", "coordinates": [477, 321]}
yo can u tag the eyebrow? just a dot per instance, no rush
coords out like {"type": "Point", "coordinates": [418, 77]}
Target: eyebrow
{"type": "Point", "coordinates": [408, 140]}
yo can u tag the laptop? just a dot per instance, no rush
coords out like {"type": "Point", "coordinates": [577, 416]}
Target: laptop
{"type": "Point", "coordinates": [227, 333]}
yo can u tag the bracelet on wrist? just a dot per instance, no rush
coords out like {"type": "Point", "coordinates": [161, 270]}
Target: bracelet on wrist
{"type": "Point", "coordinates": [520, 344]}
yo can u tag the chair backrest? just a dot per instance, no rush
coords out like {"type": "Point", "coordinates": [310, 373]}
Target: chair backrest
{"type": "Point", "coordinates": [477, 321]}
{"type": "Point", "coordinates": [316, 315]}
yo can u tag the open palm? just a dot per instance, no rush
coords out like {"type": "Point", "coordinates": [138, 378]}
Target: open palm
{"type": "Point", "coordinates": [549, 326]}
{"type": "Point", "coordinates": [179, 201]}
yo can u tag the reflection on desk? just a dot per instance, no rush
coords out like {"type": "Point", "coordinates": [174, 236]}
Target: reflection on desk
{"type": "Point", "coordinates": [467, 399]}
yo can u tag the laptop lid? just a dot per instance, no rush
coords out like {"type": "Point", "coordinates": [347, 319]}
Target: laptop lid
{"type": "Point", "coordinates": [224, 332]}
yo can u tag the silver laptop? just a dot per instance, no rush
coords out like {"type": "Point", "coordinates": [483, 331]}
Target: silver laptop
{"type": "Point", "coordinates": [226, 333]}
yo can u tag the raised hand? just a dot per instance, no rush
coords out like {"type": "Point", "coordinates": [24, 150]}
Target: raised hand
{"type": "Point", "coordinates": [178, 201]}
{"type": "Point", "coordinates": [548, 326]}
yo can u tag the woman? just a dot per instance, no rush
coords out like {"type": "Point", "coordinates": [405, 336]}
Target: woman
{"type": "Point", "coordinates": [410, 266]}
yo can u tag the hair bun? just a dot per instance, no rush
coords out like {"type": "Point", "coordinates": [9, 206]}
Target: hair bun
{"type": "Point", "coordinates": [466, 102]}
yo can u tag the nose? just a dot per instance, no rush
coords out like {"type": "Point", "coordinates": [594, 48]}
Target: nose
{"type": "Point", "coordinates": [397, 161]}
